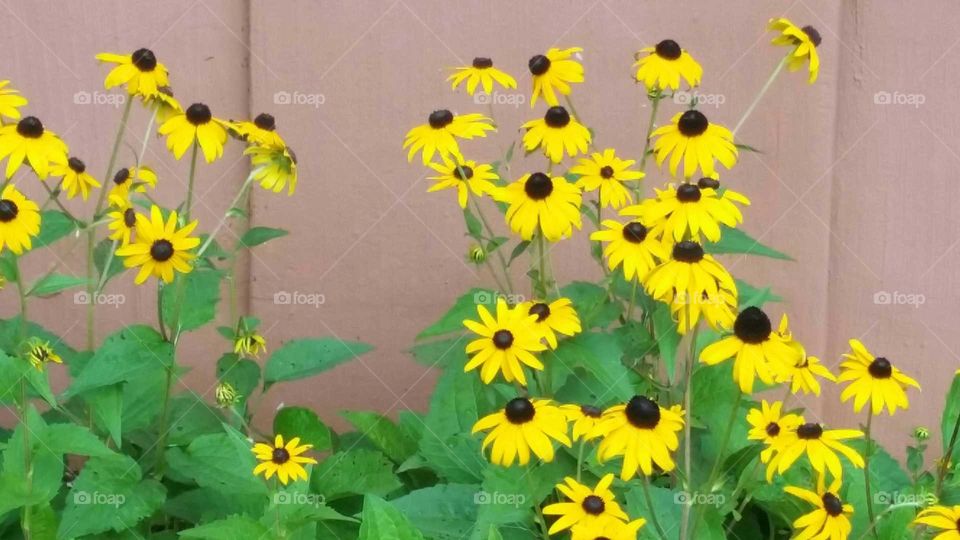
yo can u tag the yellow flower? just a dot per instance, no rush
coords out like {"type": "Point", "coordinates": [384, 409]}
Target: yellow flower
{"type": "Point", "coordinates": [632, 245]}
{"type": "Point", "coordinates": [538, 202]}
{"type": "Point", "coordinates": [123, 221]}
{"type": "Point", "coordinates": [661, 67]}
{"type": "Point", "coordinates": [130, 179]}
{"type": "Point", "coordinates": [586, 507]}
{"type": "Point", "coordinates": [641, 431]}
{"type": "Point", "coordinates": [610, 530]}
{"type": "Point", "coordinates": [464, 175]}
{"type": "Point", "coordinates": [286, 461]}
{"type": "Point", "coordinates": [607, 173]}
{"type": "Point", "coordinates": [75, 177]}
{"type": "Point", "coordinates": [196, 125]}
{"type": "Point", "coordinates": [167, 105]}
{"type": "Point", "coordinates": [692, 141]}
{"type": "Point", "coordinates": [688, 211]}
{"type": "Point", "coordinates": [820, 446]}
{"type": "Point", "coordinates": [557, 317]}
{"type": "Point", "coordinates": [10, 101]}
{"type": "Point", "coordinates": [804, 42]}
{"type": "Point", "coordinates": [227, 396]}
{"type": "Point", "coordinates": [773, 428]}
{"type": "Point", "coordinates": [873, 379]}
{"type": "Point", "coordinates": [19, 220]}
{"type": "Point", "coordinates": [140, 71]}
{"type": "Point", "coordinates": [553, 72]}
{"type": "Point", "coordinates": [831, 517]}
{"type": "Point", "coordinates": [555, 132]}
{"type": "Point", "coordinates": [521, 427]}
{"type": "Point", "coordinates": [160, 248]}
{"type": "Point", "coordinates": [481, 72]}
{"type": "Point", "coordinates": [944, 518]}
{"type": "Point", "coordinates": [506, 343]}
{"type": "Point", "coordinates": [249, 343]}
{"type": "Point", "coordinates": [439, 134]}
{"type": "Point", "coordinates": [261, 131]}
{"type": "Point", "coordinates": [585, 419]}
{"type": "Point", "coordinates": [274, 167]}
{"type": "Point", "coordinates": [28, 140]}
{"type": "Point", "coordinates": [40, 353]}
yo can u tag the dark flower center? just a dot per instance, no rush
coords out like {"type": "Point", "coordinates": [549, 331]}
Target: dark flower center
{"type": "Point", "coordinates": [668, 49]}
{"type": "Point", "coordinates": [8, 210]}
{"type": "Point", "coordinates": [692, 123]}
{"type": "Point", "coordinates": [198, 114]}
{"type": "Point", "coordinates": [482, 63]}
{"type": "Point", "coordinates": [710, 183]}
{"type": "Point", "coordinates": [557, 117]}
{"type": "Point", "coordinates": [122, 176]}
{"type": "Point", "coordinates": [813, 34]}
{"type": "Point", "coordinates": [440, 119]}
{"type": "Point", "coordinates": [541, 310]}
{"type": "Point", "coordinates": [643, 412]}
{"type": "Point", "coordinates": [265, 121]}
{"type": "Point", "coordinates": [129, 217]}
{"type": "Point", "coordinates": [538, 186]}
{"type": "Point", "coordinates": [832, 504]}
{"type": "Point", "coordinates": [76, 165]}
{"type": "Point", "coordinates": [810, 431]}
{"type": "Point", "coordinates": [463, 172]}
{"type": "Point", "coordinates": [539, 64]}
{"type": "Point", "coordinates": [880, 368]}
{"type": "Point", "coordinates": [30, 127]}
{"type": "Point", "coordinates": [688, 252]}
{"type": "Point", "coordinates": [144, 59]}
{"type": "Point", "coordinates": [519, 410]}
{"type": "Point", "coordinates": [502, 339]}
{"type": "Point", "coordinates": [161, 250]}
{"type": "Point", "coordinates": [688, 193]}
{"type": "Point", "coordinates": [634, 232]}
{"type": "Point", "coordinates": [280, 456]}
{"type": "Point", "coordinates": [752, 326]}
{"type": "Point", "coordinates": [593, 505]}
{"type": "Point", "coordinates": [591, 411]}
{"type": "Point", "coordinates": [773, 429]}
{"type": "Point", "coordinates": [606, 171]}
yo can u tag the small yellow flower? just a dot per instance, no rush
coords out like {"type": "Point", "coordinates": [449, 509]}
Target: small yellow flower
{"type": "Point", "coordinates": [10, 101]}
{"type": "Point", "coordinates": [821, 447]}
{"type": "Point", "coordinates": [587, 507]}
{"type": "Point", "coordinates": [606, 173]}
{"type": "Point", "coordinates": [19, 220]}
{"type": "Point", "coordinates": [160, 248]}
{"type": "Point", "coordinates": [557, 317]}
{"type": "Point", "coordinates": [130, 179]}
{"type": "Point", "coordinates": [466, 176]}
{"type": "Point", "coordinates": [249, 343]}
{"type": "Point", "coordinates": [140, 71]}
{"type": "Point", "coordinates": [196, 125]}
{"type": "Point", "coordinates": [29, 141]}
{"type": "Point", "coordinates": [480, 73]}
{"type": "Point", "coordinates": [631, 245]}
{"type": "Point", "coordinates": [75, 177]}
{"type": "Point", "coordinates": [831, 517]}
{"type": "Point", "coordinates": [585, 419]}
{"type": "Point", "coordinates": [40, 353]}
{"type": "Point", "coordinates": [555, 133]}
{"type": "Point", "coordinates": [521, 427]}
{"type": "Point", "coordinates": [694, 143]}
{"type": "Point", "coordinates": [439, 135]}
{"type": "Point", "coordinates": [775, 429]}
{"type": "Point", "coordinates": [541, 203]}
{"type": "Point", "coordinates": [662, 66]}
{"type": "Point", "coordinates": [804, 42]}
{"type": "Point", "coordinates": [873, 379]}
{"type": "Point", "coordinates": [504, 344]}
{"type": "Point", "coordinates": [942, 518]}
{"type": "Point", "coordinates": [275, 167]}
{"type": "Point", "coordinates": [284, 460]}
{"type": "Point", "coordinates": [553, 72]}
{"type": "Point", "coordinates": [261, 131]}
{"type": "Point", "coordinates": [123, 221]}
{"type": "Point", "coordinates": [641, 431]}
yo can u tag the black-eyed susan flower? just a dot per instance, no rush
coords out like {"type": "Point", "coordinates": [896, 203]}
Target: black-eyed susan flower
{"type": "Point", "coordinates": [480, 73]}
{"type": "Point", "coordinates": [140, 71]}
{"type": "Point", "coordinates": [585, 419]}
{"type": "Point", "coordinates": [274, 167]}
{"type": "Point", "coordinates": [248, 342]}
{"type": "Point", "coordinates": [75, 177]}
{"type": "Point", "coordinates": [261, 131]}
{"type": "Point", "coordinates": [770, 426]}
{"type": "Point", "coordinates": [539, 202]}
{"type": "Point", "coordinates": [10, 101]}
{"type": "Point", "coordinates": [29, 141]}
{"type": "Point", "coordinates": [160, 248]}
{"type": "Point", "coordinates": [505, 345]}
{"type": "Point", "coordinates": [821, 447]}
{"type": "Point", "coordinates": [553, 72]}
{"type": "Point", "coordinates": [693, 143]}
{"type": "Point", "coordinates": [588, 507]}
{"type": "Point", "coordinates": [830, 518]}
{"type": "Point", "coordinates": [555, 133]}
{"type": "Point", "coordinates": [39, 353]}
{"type": "Point", "coordinates": [522, 426]}
{"type": "Point", "coordinates": [196, 125]}
{"type": "Point", "coordinates": [661, 67]}
{"type": "Point", "coordinates": [631, 245]}
{"type": "Point", "coordinates": [944, 519]}
{"type": "Point", "coordinates": [606, 173]}
{"type": "Point", "coordinates": [694, 284]}
{"type": "Point", "coordinates": [804, 42]}
{"type": "Point", "coordinates": [167, 105]}
{"type": "Point", "coordinates": [688, 211]}
{"type": "Point", "coordinates": [466, 176]}
{"type": "Point", "coordinates": [123, 221]}
{"type": "Point", "coordinates": [130, 179]}
{"type": "Point", "coordinates": [757, 350]}
{"type": "Point", "coordinates": [610, 530]}
{"type": "Point", "coordinates": [802, 376]}
{"type": "Point", "coordinates": [553, 318]}
{"type": "Point", "coordinates": [439, 135]}
{"type": "Point", "coordinates": [284, 460]}
{"type": "Point", "coordinates": [641, 431]}
{"type": "Point", "coordinates": [873, 379]}
{"type": "Point", "coordinates": [226, 395]}
{"type": "Point", "coordinates": [19, 220]}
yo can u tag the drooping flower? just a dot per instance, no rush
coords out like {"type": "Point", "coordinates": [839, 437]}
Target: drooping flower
{"type": "Point", "coordinates": [10, 101]}
{"type": "Point", "coordinates": [631, 245]}
{"type": "Point", "coordinates": [19, 220]}
{"type": "Point", "coordinates": [226, 395]}
{"type": "Point", "coordinates": [29, 141]}
{"type": "Point", "coordinates": [585, 419]}
{"type": "Point", "coordinates": [802, 376]}
{"type": "Point", "coordinates": [641, 431]}
{"type": "Point", "coordinates": [160, 248]}
{"type": "Point", "coordinates": [123, 221]}
{"type": "Point", "coordinates": [689, 211]}
{"type": "Point", "coordinates": [261, 131]}
{"type": "Point", "coordinates": [480, 73]}
{"type": "Point", "coordinates": [821, 447]}
{"type": "Point", "coordinates": [284, 460]}
{"type": "Point", "coordinates": [606, 173]}
{"type": "Point", "coordinates": [769, 425]}
{"type": "Point", "coordinates": [439, 135]}
{"type": "Point", "coordinates": [130, 179]}
{"type": "Point", "coordinates": [555, 133]}
{"type": "Point", "coordinates": [693, 144]}
{"type": "Point", "coordinates": [196, 125]}
{"type": "Point", "coordinates": [804, 42]}
{"type": "Point", "coordinates": [539, 202]}
{"type": "Point", "coordinates": [587, 507]}
{"type": "Point", "coordinates": [521, 427]}
{"type": "Point", "coordinates": [466, 176]}
{"type": "Point", "coordinates": [557, 317]}
{"type": "Point", "coordinates": [39, 353]}
{"type": "Point", "coordinates": [553, 72]}
{"type": "Point", "coordinates": [139, 71]}
{"type": "Point", "coordinates": [505, 345]}
{"type": "Point", "coordinates": [249, 343]}
{"type": "Point", "coordinates": [75, 177]}
{"type": "Point", "coordinates": [661, 67]}
{"type": "Point", "coordinates": [274, 167]}
{"type": "Point", "coordinates": [873, 379]}
{"type": "Point", "coordinates": [831, 516]}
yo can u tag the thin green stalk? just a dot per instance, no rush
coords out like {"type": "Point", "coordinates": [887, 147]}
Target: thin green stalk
{"type": "Point", "coordinates": [947, 457]}
{"type": "Point", "coordinates": [652, 510]}
{"type": "Point", "coordinates": [499, 252]}
{"type": "Point", "coordinates": [866, 473]}
{"type": "Point", "coordinates": [725, 441]}
{"type": "Point", "coordinates": [583, 444]}
{"type": "Point", "coordinates": [27, 446]}
{"type": "Point", "coordinates": [226, 215]}
{"type": "Point", "coordinates": [746, 500]}
{"type": "Point", "coordinates": [633, 300]}
{"type": "Point", "coordinates": [687, 429]}
{"type": "Point", "coordinates": [654, 106]}
{"type": "Point", "coordinates": [542, 523]}
{"type": "Point", "coordinates": [763, 91]}
{"type": "Point", "coordinates": [188, 205]}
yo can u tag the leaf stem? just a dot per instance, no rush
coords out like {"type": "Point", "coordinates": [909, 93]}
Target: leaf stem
{"type": "Point", "coordinates": [866, 473]}
{"type": "Point", "coordinates": [652, 510]}
{"type": "Point", "coordinates": [763, 92]}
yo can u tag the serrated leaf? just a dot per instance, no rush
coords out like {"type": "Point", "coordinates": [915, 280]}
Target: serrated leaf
{"type": "Point", "coordinates": [381, 521]}
{"type": "Point", "coordinates": [231, 528]}
{"type": "Point", "coordinates": [200, 295]}
{"type": "Point", "coordinates": [54, 283]}
{"type": "Point", "coordinates": [354, 472]}
{"type": "Point", "coordinates": [384, 434]}
{"type": "Point", "coordinates": [303, 423]}
{"type": "Point", "coordinates": [302, 358]}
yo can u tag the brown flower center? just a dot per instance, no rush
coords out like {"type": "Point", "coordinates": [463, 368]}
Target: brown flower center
{"type": "Point", "coordinates": [519, 410]}
{"type": "Point", "coordinates": [752, 326]}
{"type": "Point", "coordinates": [668, 49]}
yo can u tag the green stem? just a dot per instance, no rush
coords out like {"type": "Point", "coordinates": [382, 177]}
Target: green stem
{"type": "Point", "coordinates": [542, 523]}
{"type": "Point", "coordinates": [188, 205]}
{"type": "Point", "coordinates": [654, 106]}
{"type": "Point", "coordinates": [947, 457]}
{"type": "Point", "coordinates": [27, 446]}
{"type": "Point", "coordinates": [500, 258]}
{"type": "Point", "coordinates": [633, 300]}
{"type": "Point", "coordinates": [651, 509]}
{"type": "Point", "coordinates": [746, 500]}
{"type": "Point", "coordinates": [725, 441]}
{"type": "Point", "coordinates": [226, 215]}
{"type": "Point", "coordinates": [866, 473]}
{"type": "Point", "coordinates": [583, 445]}
{"type": "Point", "coordinates": [687, 429]}
{"type": "Point", "coordinates": [763, 91]}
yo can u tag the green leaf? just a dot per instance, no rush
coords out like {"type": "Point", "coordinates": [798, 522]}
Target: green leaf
{"type": "Point", "coordinates": [206, 504]}
{"type": "Point", "coordinates": [599, 354]}
{"type": "Point", "coordinates": [241, 373]}
{"type": "Point", "coordinates": [446, 444]}
{"type": "Point", "coordinates": [518, 250]}
{"type": "Point", "coordinates": [73, 439]}
{"type": "Point", "coordinates": [259, 235]}
{"type": "Point", "coordinates": [474, 227]}
{"type": "Point", "coordinates": [592, 304]}
{"type": "Point", "coordinates": [668, 339]}
{"type": "Point", "coordinates": [735, 241]}
{"type": "Point", "coordinates": [54, 225]}
{"type": "Point", "coordinates": [221, 461]}
{"type": "Point", "coordinates": [384, 434]}
{"type": "Point", "coordinates": [950, 421]}
{"type": "Point", "coordinates": [381, 521]}
{"type": "Point", "coordinates": [201, 294]}
{"type": "Point", "coordinates": [464, 308]}
{"type": "Point", "coordinates": [101, 254]}
{"type": "Point", "coordinates": [753, 296]}
{"type": "Point", "coordinates": [442, 512]}
{"type": "Point", "coordinates": [124, 355]}
{"type": "Point", "coordinates": [354, 472]}
{"type": "Point", "coordinates": [54, 283]}
{"type": "Point", "coordinates": [302, 358]}
{"type": "Point", "coordinates": [231, 528]}
{"type": "Point", "coordinates": [442, 353]}
{"type": "Point", "coordinates": [301, 422]}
